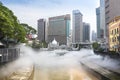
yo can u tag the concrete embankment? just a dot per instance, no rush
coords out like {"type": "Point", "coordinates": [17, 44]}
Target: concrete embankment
{"type": "Point", "coordinates": [103, 73]}
{"type": "Point", "coordinates": [26, 73]}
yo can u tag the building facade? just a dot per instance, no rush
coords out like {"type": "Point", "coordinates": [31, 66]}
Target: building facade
{"type": "Point", "coordinates": [86, 32]}
{"type": "Point", "coordinates": [77, 26]}
{"type": "Point", "coordinates": [112, 9]}
{"type": "Point", "coordinates": [58, 28]}
{"type": "Point", "coordinates": [41, 29]}
{"type": "Point", "coordinates": [114, 34]}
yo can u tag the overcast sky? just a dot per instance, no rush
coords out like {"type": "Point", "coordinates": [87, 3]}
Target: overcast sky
{"type": "Point", "coordinates": [29, 11]}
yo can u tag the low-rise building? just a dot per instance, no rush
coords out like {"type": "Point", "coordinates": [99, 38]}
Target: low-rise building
{"type": "Point", "coordinates": [114, 34]}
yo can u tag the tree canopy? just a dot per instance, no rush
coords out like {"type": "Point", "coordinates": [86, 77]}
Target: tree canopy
{"type": "Point", "coordinates": [28, 29]}
{"type": "Point", "coordinates": [10, 27]}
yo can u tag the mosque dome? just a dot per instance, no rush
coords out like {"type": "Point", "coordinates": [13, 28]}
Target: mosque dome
{"type": "Point", "coordinates": [54, 42]}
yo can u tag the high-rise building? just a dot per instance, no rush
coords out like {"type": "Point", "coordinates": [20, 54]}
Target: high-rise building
{"type": "Point", "coordinates": [112, 10]}
{"type": "Point", "coordinates": [41, 29]}
{"type": "Point", "coordinates": [94, 36]}
{"type": "Point", "coordinates": [98, 22]}
{"type": "Point", "coordinates": [77, 26]}
{"type": "Point", "coordinates": [86, 32]}
{"type": "Point", "coordinates": [102, 19]}
{"type": "Point", "coordinates": [59, 28]}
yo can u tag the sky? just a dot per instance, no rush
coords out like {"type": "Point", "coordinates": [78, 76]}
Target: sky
{"type": "Point", "coordinates": [29, 11]}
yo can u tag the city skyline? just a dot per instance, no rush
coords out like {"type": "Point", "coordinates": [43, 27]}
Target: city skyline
{"type": "Point", "coordinates": [29, 12]}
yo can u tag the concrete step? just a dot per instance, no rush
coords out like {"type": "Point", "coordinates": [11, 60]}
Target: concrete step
{"type": "Point", "coordinates": [110, 75]}
{"type": "Point", "coordinates": [21, 74]}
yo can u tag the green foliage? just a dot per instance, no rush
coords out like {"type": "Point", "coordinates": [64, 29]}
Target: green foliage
{"type": "Point", "coordinates": [100, 49]}
{"type": "Point", "coordinates": [36, 45]}
{"type": "Point", "coordinates": [44, 44]}
{"type": "Point", "coordinates": [39, 45]}
{"type": "Point", "coordinates": [95, 46]}
{"type": "Point", "coordinates": [28, 29]}
{"type": "Point", "coordinates": [10, 28]}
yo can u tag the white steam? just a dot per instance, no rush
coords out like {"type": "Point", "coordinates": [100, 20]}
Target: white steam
{"type": "Point", "coordinates": [50, 60]}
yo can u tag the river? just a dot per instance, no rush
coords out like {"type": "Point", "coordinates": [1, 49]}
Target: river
{"type": "Point", "coordinates": [59, 64]}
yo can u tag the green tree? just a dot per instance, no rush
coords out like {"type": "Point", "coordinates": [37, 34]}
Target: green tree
{"type": "Point", "coordinates": [95, 46]}
{"type": "Point", "coordinates": [10, 28]}
{"type": "Point", "coordinates": [28, 29]}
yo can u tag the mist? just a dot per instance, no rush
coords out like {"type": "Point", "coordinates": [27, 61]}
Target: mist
{"type": "Point", "coordinates": [50, 62]}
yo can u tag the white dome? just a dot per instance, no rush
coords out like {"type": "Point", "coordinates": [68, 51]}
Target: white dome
{"type": "Point", "coordinates": [54, 42]}
{"type": "Point", "coordinates": [1, 43]}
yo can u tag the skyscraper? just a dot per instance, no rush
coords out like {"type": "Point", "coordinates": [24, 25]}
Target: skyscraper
{"type": "Point", "coordinates": [77, 26]}
{"type": "Point", "coordinates": [102, 19]}
{"type": "Point", "coordinates": [98, 22]}
{"type": "Point", "coordinates": [41, 30]}
{"type": "Point", "coordinates": [100, 13]}
{"type": "Point", "coordinates": [59, 28]}
{"type": "Point", "coordinates": [112, 10]}
{"type": "Point", "coordinates": [94, 36]}
{"type": "Point", "coordinates": [86, 32]}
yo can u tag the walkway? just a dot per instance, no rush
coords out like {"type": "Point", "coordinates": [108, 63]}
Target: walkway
{"type": "Point", "coordinates": [21, 74]}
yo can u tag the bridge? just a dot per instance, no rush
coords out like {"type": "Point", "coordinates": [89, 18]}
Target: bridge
{"type": "Point", "coordinates": [80, 45]}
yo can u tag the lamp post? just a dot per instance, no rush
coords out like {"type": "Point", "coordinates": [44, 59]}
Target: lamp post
{"type": "Point", "coordinates": [6, 38]}
{"type": "Point", "coordinates": [118, 38]}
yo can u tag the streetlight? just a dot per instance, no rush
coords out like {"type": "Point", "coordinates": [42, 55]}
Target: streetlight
{"type": "Point", "coordinates": [118, 38]}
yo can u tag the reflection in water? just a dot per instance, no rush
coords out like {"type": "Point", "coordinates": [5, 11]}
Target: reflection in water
{"type": "Point", "coordinates": [62, 74]}
{"type": "Point", "coordinates": [50, 66]}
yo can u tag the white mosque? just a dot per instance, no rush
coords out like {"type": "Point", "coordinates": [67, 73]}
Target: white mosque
{"type": "Point", "coordinates": [53, 45]}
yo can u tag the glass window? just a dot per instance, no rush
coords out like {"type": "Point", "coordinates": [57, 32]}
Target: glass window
{"type": "Point", "coordinates": [112, 39]}
{"type": "Point", "coordinates": [115, 39]}
{"type": "Point", "coordinates": [117, 30]}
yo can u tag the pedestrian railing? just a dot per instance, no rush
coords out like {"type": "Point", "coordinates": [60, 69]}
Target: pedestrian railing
{"type": "Point", "coordinates": [9, 54]}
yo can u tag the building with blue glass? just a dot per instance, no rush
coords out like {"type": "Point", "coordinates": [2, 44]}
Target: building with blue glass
{"type": "Point", "coordinates": [59, 28]}
{"type": "Point", "coordinates": [98, 22]}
